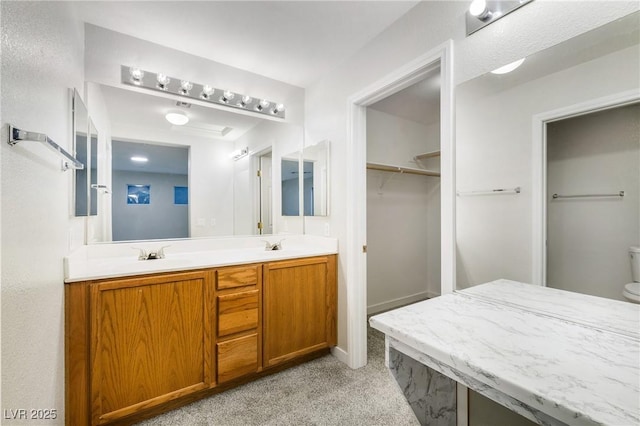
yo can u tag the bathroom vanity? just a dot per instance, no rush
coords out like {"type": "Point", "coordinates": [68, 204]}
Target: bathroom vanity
{"type": "Point", "coordinates": [555, 357]}
{"type": "Point", "coordinates": [143, 337]}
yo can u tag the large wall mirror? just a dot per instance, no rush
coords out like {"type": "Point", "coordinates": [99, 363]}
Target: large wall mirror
{"type": "Point", "coordinates": [211, 176]}
{"type": "Point", "coordinates": [564, 122]}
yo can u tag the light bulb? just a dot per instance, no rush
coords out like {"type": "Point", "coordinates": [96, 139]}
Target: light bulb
{"type": "Point", "coordinates": [278, 109]}
{"type": "Point", "coordinates": [207, 91]}
{"type": "Point", "coordinates": [163, 81]}
{"type": "Point", "coordinates": [262, 105]}
{"type": "Point", "coordinates": [479, 9]}
{"type": "Point", "coordinates": [245, 101]}
{"type": "Point", "coordinates": [139, 159]}
{"type": "Point", "coordinates": [177, 118]}
{"type": "Point", "coordinates": [136, 75]}
{"type": "Point", "coordinates": [185, 87]}
{"type": "Point", "coordinates": [226, 96]}
{"type": "Point", "coordinates": [509, 67]}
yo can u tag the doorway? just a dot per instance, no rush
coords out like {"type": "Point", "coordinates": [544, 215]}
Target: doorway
{"type": "Point", "coordinates": [265, 209]}
{"type": "Point", "coordinates": [543, 197]}
{"type": "Point", "coordinates": [356, 247]}
{"type": "Point", "coordinates": [593, 200]}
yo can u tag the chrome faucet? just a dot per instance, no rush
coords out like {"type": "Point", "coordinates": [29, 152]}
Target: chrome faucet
{"type": "Point", "coordinates": [275, 246]}
{"type": "Point", "coordinates": [151, 255]}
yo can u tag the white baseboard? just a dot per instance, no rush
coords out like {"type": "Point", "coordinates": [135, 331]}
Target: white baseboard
{"type": "Point", "coordinates": [394, 303]}
{"type": "Point", "coordinates": [340, 353]}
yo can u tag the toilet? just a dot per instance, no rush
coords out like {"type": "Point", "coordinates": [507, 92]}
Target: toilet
{"type": "Point", "coordinates": [632, 290]}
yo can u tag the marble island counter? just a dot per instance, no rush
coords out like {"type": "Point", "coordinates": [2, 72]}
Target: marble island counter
{"type": "Point", "coordinates": [552, 356]}
{"type": "Point", "coordinates": [111, 260]}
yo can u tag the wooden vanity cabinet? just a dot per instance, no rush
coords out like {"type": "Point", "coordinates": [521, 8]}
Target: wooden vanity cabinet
{"type": "Point", "coordinates": [299, 308]}
{"type": "Point", "coordinates": [139, 346]}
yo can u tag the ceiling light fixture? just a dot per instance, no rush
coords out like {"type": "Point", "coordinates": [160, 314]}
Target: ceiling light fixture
{"type": "Point", "coordinates": [204, 92]}
{"type": "Point", "coordinates": [139, 159]}
{"type": "Point", "coordinates": [509, 67]}
{"type": "Point", "coordinates": [177, 118]}
{"type": "Point", "coordinates": [484, 12]}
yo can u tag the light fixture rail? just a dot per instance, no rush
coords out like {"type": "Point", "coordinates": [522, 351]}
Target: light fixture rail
{"type": "Point", "coordinates": [202, 92]}
{"type": "Point", "coordinates": [68, 161]}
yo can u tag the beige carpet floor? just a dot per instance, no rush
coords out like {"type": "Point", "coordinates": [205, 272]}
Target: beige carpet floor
{"type": "Point", "coordinates": [321, 392]}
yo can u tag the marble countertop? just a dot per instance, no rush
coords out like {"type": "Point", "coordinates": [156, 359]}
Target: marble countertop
{"type": "Point", "coordinates": [120, 260]}
{"type": "Point", "coordinates": [568, 369]}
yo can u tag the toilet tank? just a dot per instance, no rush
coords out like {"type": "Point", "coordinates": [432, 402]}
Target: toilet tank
{"type": "Point", "coordinates": [634, 253]}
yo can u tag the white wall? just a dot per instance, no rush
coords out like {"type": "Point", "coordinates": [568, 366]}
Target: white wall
{"type": "Point", "coordinates": [588, 238]}
{"type": "Point", "coordinates": [107, 50]}
{"type": "Point", "coordinates": [42, 58]}
{"type": "Point", "coordinates": [494, 150]}
{"type": "Point", "coordinates": [403, 214]}
{"type": "Point", "coordinates": [534, 27]}
{"type": "Point", "coordinates": [283, 140]}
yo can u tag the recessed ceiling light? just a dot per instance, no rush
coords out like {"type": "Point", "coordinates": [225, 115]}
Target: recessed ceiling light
{"type": "Point", "coordinates": [177, 118]}
{"type": "Point", "coordinates": [509, 67]}
{"type": "Point", "coordinates": [139, 159]}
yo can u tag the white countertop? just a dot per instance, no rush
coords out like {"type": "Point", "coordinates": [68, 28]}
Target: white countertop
{"type": "Point", "coordinates": [119, 259]}
{"type": "Point", "coordinates": [568, 369]}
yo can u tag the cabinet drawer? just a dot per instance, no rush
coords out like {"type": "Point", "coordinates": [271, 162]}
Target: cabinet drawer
{"type": "Point", "coordinates": [237, 357]}
{"type": "Point", "coordinates": [237, 277]}
{"type": "Point", "coordinates": [237, 312]}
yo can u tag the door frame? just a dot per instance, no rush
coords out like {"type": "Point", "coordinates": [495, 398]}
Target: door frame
{"type": "Point", "coordinates": [356, 270]}
{"type": "Point", "coordinates": [255, 183]}
{"type": "Point", "coordinates": [539, 177]}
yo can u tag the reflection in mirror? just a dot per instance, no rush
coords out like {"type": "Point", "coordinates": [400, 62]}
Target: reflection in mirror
{"type": "Point", "coordinates": [223, 188]}
{"type": "Point", "coordinates": [93, 167]}
{"type": "Point", "coordinates": [316, 180]}
{"type": "Point", "coordinates": [290, 177]}
{"type": "Point", "coordinates": [80, 127]}
{"type": "Point", "coordinates": [150, 191]}
{"type": "Point", "coordinates": [505, 236]}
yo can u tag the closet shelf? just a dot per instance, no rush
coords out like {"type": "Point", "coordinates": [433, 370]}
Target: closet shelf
{"type": "Point", "coordinates": [398, 169]}
{"type": "Point", "coordinates": [427, 155]}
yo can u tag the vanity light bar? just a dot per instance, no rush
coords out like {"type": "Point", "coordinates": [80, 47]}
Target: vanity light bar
{"type": "Point", "coordinates": [163, 83]}
{"type": "Point", "coordinates": [484, 12]}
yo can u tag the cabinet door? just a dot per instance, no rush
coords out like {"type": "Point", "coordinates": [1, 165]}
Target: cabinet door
{"type": "Point", "coordinates": [151, 342]}
{"type": "Point", "coordinates": [299, 308]}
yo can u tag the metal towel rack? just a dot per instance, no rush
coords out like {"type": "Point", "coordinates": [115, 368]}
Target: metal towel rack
{"type": "Point", "coordinates": [68, 162]}
{"type": "Point", "coordinates": [619, 194]}
{"type": "Point", "coordinates": [497, 191]}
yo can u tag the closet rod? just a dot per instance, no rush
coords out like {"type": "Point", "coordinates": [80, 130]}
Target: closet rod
{"type": "Point", "coordinates": [398, 169]}
{"type": "Point", "coordinates": [515, 190]}
{"type": "Point", "coordinates": [619, 194]}
{"type": "Point", "coordinates": [69, 161]}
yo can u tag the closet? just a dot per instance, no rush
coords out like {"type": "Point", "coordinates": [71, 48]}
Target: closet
{"type": "Point", "coordinates": [403, 196]}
